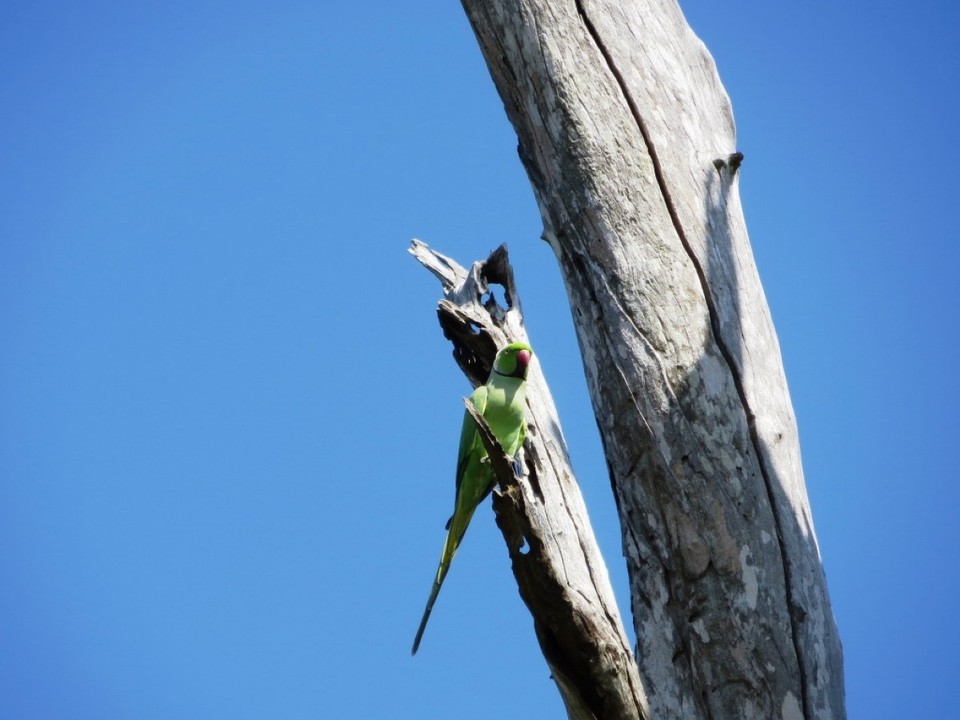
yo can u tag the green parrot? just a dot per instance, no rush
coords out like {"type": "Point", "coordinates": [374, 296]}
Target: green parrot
{"type": "Point", "coordinates": [502, 402]}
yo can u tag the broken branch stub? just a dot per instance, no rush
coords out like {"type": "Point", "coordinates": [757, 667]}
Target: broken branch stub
{"type": "Point", "coordinates": [555, 558]}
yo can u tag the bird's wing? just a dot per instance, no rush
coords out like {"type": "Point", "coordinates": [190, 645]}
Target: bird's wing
{"type": "Point", "coordinates": [469, 436]}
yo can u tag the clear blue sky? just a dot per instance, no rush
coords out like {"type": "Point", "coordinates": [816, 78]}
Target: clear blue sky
{"type": "Point", "coordinates": [228, 417]}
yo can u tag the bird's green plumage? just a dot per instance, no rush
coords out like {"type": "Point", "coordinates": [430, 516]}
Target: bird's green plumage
{"type": "Point", "coordinates": [502, 402]}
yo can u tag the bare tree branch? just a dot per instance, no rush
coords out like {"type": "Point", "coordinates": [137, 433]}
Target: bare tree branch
{"type": "Point", "coordinates": [554, 555]}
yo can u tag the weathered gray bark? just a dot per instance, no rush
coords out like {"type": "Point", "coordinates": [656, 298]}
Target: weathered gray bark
{"type": "Point", "coordinates": [628, 140]}
{"type": "Point", "coordinates": [555, 558]}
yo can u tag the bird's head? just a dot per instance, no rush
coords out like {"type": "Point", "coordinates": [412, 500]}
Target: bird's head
{"type": "Point", "coordinates": [513, 360]}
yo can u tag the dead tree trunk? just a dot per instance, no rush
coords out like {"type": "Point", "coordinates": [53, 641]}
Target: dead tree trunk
{"type": "Point", "coordinates": [628, 139]}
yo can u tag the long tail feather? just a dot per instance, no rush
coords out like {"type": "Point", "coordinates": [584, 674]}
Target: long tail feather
{"type": "Point", "coordinates": [426, 616]}
{"type": "Point", "coordinates": [450, 546]}
{"type": "Point", "coordinates": [456, 527]}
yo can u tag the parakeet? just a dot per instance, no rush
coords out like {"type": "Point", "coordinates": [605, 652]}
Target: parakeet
{"type": "Point", "coordinates": [502, 402]}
